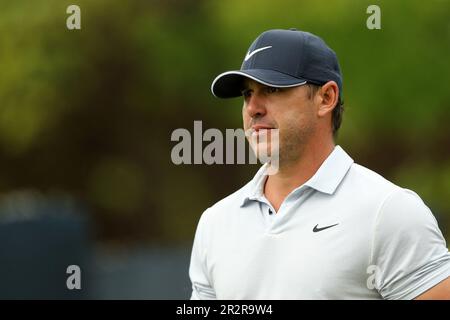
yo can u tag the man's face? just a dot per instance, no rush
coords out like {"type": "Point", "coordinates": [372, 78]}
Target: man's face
{"type": "Point", "coordinates": [290, 110]}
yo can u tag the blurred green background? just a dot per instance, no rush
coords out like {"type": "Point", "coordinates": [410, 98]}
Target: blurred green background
{"type": "Point", "coordinates": [89, 113]}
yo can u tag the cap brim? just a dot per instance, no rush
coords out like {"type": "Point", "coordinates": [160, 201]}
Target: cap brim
{"type": "Point", "coordinates": [229, 84]}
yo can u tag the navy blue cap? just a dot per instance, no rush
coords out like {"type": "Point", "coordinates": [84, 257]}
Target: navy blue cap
{"type": "Point", "coordinates": [282, 58]}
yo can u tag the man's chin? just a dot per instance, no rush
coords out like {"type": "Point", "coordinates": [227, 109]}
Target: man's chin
{"type": "Point", "coordinates": [265, 152]}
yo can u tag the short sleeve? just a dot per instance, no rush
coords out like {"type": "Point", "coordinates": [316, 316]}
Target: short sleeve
{"type": "Point", "coordinates": [408, 249]}
{"type": "Point", "coordinates": [198, 272]}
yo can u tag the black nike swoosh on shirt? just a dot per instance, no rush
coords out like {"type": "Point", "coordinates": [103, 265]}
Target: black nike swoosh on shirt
{"type": "Point", "coordinates": [317, 229]}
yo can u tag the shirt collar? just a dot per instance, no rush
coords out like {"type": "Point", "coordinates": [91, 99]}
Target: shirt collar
{"type": "Point", "coordinates": [326, 179]}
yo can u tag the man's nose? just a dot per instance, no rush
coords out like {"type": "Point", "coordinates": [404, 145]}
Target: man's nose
{"type": "Point", "coordinates": [256, 106]}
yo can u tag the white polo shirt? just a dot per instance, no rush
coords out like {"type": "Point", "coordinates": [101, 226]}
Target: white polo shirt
{"type": "Point", "coordinates": [347, 233]}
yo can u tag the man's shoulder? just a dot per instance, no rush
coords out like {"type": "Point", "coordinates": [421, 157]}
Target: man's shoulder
{"type": "Point", "coordinates": [362, 178]}
{"type": "Point", "coordinates": [366, 181]}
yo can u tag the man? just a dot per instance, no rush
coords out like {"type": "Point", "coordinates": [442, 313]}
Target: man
{"type": "Point", "coordinates": [322, 227]}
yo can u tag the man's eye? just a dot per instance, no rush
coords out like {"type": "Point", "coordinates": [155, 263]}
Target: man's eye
{"type": "Point", "coordinates": [272, 89]}
{"type": "Point", "coordinates": [246, 93]}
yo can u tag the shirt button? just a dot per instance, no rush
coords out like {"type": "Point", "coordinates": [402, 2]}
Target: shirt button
{"type": "Point", "coordinates": [270, 211]}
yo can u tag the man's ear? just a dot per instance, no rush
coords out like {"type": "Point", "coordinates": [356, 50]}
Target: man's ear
{"type": "Point", "coordinates": [329, 94]}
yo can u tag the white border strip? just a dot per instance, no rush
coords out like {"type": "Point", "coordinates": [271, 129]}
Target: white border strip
{"type": "Point", "coordinates": [252, 77]}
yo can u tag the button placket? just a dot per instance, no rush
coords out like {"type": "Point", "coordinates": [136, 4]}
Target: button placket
{"type": "Point", "coordinates": [292, 203]}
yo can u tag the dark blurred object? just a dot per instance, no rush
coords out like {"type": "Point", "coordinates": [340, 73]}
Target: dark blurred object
{"type": "Point", "coordinates": [139, 273]}
{"type": "Point", "coordinates": [39, 238]}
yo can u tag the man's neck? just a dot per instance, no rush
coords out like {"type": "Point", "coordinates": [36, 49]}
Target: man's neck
{"type": "Point", "coordinates": [294, 174]}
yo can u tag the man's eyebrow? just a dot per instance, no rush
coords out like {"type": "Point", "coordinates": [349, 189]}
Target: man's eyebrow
{"type": "Point", "coordinates": [247, 84]}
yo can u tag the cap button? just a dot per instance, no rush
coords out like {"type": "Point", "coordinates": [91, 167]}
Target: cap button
{"type": "Point", "coordinates": [293, 29]}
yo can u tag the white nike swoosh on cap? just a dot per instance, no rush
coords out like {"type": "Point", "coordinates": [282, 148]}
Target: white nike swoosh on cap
{"type": "Point", "coordinates": [249, 54]}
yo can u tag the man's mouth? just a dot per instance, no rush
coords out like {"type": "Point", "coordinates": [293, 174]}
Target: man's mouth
{"type": "Point", "coordinates": [259, 127]}
{"type": "Point", "coordinates": [261, 132]}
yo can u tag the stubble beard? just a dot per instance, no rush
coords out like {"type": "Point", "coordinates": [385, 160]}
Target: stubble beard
{"type": "Point", "coordinates": [293, 142]}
